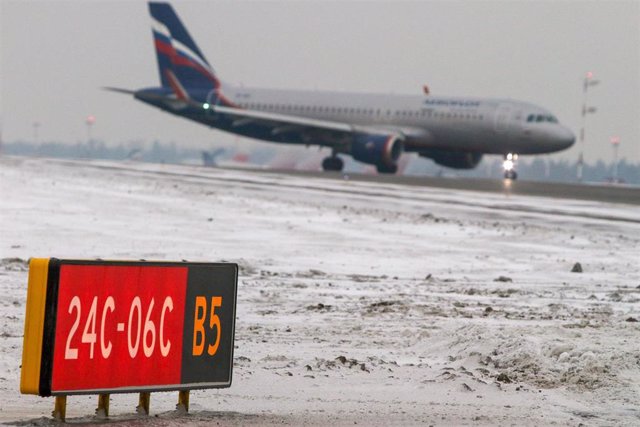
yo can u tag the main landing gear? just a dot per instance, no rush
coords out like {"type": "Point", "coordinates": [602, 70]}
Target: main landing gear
{"type": "Point", "coordinates": [387, 169]}
{"type": "Point", "coordinates": [509, 166]}
{"type": "Point", "coordinates": [333, 163]}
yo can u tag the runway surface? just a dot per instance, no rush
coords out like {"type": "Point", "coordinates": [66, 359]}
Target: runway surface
{"type": "Point", "coordinates": [587, 191]}
{"type": "Point", "coordinates": [369, 303]}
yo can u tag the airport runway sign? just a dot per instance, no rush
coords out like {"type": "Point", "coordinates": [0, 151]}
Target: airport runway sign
{"type": "Point", "coordinates": [127, 326]}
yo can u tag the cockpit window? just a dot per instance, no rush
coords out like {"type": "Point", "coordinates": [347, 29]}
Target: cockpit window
{"type": "Point", "coordinates": [541, 118]}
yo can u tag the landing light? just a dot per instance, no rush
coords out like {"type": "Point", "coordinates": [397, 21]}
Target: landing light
{"type": "Point", "coordinates": [507, 165]}
{"type": "Point", "coordinates": [206, 105]}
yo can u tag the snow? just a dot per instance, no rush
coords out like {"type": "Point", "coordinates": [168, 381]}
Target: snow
{"type": "Point", "coordinates": [375, 304]}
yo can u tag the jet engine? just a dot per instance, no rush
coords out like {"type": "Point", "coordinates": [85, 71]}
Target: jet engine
{"type": "Point", "coordinates": [383, 151]}
{"type": "Point", "coordinates": [453, 159]}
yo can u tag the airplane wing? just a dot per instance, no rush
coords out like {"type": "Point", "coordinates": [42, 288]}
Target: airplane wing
{"type": "Point", "coordinates": [311, 131]}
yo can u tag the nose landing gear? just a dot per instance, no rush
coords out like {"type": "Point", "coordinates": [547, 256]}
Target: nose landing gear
{"type": "Point", "coordinates": [509, 166]}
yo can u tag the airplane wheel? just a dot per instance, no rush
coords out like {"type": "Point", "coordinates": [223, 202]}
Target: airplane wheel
{"type": "Point", "coordinates": [512, 175]}
{"type": "Point", "coordinates": [334, 164]}
{"type": "Point", "coordinates": [387, 169]}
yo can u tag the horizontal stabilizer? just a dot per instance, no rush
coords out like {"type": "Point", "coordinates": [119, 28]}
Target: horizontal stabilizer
{"type": "Point", "coordinates": [119, 90]}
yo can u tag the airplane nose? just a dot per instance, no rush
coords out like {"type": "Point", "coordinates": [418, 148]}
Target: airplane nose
{"type": "Point", "coordinates": [564, 138]}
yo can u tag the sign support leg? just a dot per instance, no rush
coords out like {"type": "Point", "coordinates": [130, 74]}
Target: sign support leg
{"type": "Point", "coordinates": [143, 405]}
{"type": "Point", "coordinates": [183, 401]}
{"type": "Point", "coordinates": [60, 408]}
{"type": "Point", "coordinates": [103, 406]}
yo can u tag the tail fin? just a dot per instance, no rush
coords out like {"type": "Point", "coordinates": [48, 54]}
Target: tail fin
{"type": "Point", "coordinates": [177, 52]}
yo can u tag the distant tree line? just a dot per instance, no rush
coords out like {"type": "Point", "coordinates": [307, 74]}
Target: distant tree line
{"type": "Point", "coordinates": [534, 168]}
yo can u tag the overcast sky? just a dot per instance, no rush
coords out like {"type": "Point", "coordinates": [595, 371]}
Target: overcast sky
{"type": "Point", "coordinates": [55, 56]}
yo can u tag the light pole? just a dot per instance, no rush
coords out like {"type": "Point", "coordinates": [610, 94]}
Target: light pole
{"type": "Point", "coordinates": [615, 143]}
{"type": "Point", "coordinates": [36, 126]}
{"type": "Point", "coordinates": [588, 81]}
{"type": "Point", "coordinates": [91, 119]}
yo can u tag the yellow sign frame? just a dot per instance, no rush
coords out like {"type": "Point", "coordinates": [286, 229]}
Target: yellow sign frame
{"type": "Point", "coordinates": [34, 325]}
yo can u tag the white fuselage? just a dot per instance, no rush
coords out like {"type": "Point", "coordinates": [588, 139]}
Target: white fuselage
{"type": "Point", "coordinates": [492, 126]}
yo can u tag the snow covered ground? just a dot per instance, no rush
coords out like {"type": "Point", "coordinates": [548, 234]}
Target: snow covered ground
{"type": "Point", "coordinates": [358, 303]}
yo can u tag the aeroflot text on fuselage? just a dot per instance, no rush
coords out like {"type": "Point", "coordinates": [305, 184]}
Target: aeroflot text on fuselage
{"type": "Point", "coordinates": [452, 103]}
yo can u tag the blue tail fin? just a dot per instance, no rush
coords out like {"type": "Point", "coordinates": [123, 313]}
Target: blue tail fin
{"type": "Point", "coordinates": [177, 52]}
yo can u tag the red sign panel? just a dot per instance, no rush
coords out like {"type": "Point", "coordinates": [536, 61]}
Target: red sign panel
{"type": "Point", "coordinates": [118, 326]}
{"type": "Point", "coordinates": [122, 326]}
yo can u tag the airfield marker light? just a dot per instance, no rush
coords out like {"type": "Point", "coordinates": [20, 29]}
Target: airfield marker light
{"type": "Point", "coordinates": [589, 80]}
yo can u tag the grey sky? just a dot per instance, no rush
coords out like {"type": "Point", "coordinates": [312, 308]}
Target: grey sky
{"type": "Point", "coordinates": [55, 55]}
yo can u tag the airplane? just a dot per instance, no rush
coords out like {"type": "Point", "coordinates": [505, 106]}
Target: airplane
{"type": "Point", "coordinates": [372, 128]}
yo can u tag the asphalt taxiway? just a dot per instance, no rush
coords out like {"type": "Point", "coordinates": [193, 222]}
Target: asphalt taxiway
{"type": "Point", "coordinates": [588, 191]}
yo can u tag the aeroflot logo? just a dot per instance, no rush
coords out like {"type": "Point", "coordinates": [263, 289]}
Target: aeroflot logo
{"type": "Point", "coordinates": [452, 103]}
